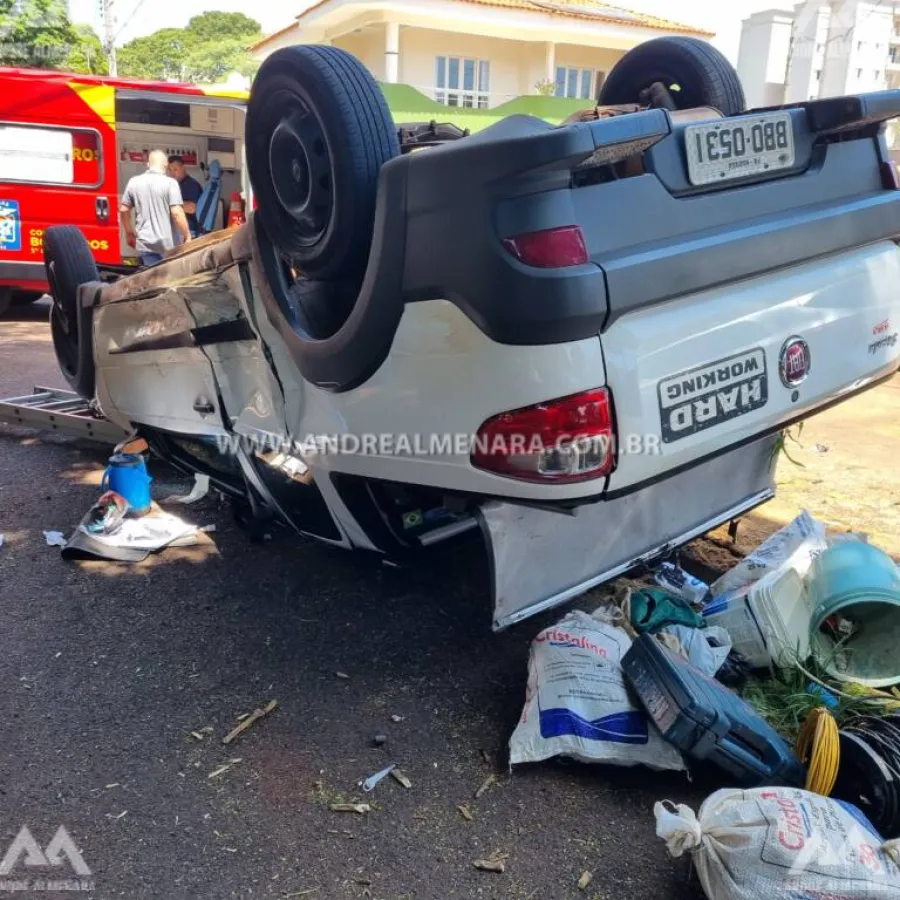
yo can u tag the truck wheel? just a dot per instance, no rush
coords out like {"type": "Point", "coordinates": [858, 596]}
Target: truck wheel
{"type": "Point", "coordinates": [75, 356]}
{"type": "Point", "coordinates": [5, 299]}
{"type": "Point", "coordinates": [701, 74]}
{"type": "Point", "coordinates": [318, 131]}
{"type": "Point", "coordinates": [69, 263]}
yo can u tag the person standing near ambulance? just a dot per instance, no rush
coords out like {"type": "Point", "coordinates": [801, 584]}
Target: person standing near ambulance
{"type": "Point", "coordinates": [152, 212]}
{"type": "Point", "coordinates": [191, 192]}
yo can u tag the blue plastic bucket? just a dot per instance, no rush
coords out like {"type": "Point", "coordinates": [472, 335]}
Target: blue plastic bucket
{"type": "Point", "coordinates": [127, 475]}
{"type": "Point", "coordinates": [860, 584]}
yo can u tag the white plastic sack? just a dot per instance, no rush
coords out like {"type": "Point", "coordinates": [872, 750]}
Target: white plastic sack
{"type": "Point", "coordinates": [696, 646]}
{"type": "Point", "coordinates": [577, 704]}
{"type": "Point", "coordinates": [800, 542]}
{"type": "Point", "coordinates": [782, 844]}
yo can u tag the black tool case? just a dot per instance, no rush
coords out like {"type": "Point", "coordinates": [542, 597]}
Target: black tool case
{"type": "Point", "coordinates": [706, 721]}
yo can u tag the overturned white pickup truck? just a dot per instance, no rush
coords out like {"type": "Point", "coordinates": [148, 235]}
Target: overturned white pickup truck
{"type": "Point", "coordinates": [582, 340]}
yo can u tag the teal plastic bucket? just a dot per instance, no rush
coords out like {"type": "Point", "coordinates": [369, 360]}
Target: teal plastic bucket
{"type": "Point", "coordinates": [859, 584]}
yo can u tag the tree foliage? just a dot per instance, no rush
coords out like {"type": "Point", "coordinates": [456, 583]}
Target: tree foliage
{"type": "Point", "coordinates": [212, 45]}
{"type": "Point", "coordinates": [87, 56]}
{"type": "Point", "coordinates": [35, 33]}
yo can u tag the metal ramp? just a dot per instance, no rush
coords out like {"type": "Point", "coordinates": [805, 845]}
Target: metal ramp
{"type": "Point", "coordinates": [50, 409]}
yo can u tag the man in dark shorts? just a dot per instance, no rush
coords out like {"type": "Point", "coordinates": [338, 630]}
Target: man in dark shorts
{"type": "Point", "coordinates": [190, 192]}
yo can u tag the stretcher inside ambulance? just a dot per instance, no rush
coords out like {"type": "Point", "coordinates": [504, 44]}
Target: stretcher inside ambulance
{"type": "Point", "coordinates": [70, 143]}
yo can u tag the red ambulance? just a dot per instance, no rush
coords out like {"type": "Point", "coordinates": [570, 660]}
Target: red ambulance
{"type": "Point", "coordinates": [69, 144]}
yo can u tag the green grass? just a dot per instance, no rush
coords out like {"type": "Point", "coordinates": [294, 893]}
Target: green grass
{"type": "Point", "coordinates": [785, 701]}
{"type": "Point", "coordinates": [409, 105]}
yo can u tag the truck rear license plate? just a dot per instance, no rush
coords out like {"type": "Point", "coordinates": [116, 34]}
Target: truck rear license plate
{"type": "Point", "coordinates": [739, 148]}
{"type": "Point", "coordinates": [709, 395]}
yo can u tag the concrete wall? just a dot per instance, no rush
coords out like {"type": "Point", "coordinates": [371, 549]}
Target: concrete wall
{"type": "Point", "coordinates": [367, 46]}
{"type": "Point", "coordinates": [420, 47]}
{"type": "Point", "coordinates": [811, 26]}
{"type": "Point", "coordinates": [763, 56]}
{"type": "Point", "coordinates": [857, 50]}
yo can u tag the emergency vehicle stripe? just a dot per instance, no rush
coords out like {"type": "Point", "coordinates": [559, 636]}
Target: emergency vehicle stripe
{"type": "Point", "coordinates": [226, 94]}
{"type": "Point", "coordinates": [101, 98]}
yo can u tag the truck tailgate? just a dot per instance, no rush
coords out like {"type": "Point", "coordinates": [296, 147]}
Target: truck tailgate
{"type": "Point", "coordinates": [707, 371]}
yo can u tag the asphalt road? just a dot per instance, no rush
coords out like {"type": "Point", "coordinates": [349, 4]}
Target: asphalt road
{"type": "Point", "coordinates": [106, 670]}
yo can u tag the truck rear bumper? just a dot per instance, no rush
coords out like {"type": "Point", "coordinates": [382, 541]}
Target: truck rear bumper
{"type": "Point", "coordinates": [541, 559]}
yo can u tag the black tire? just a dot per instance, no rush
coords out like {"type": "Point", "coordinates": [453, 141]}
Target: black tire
{"type": "Point", "coordinates": [24, 298]}
{"type": "Point", "coordinates": [318, 131]}
{"type": "Point", "coordinates": [5, 299]}
{"type": "Point", "coordinates": [703, 75]}
{"type": "Point", "coordinates": [69, 264]}
{"type": "Point", "coordinates": [75, 356]}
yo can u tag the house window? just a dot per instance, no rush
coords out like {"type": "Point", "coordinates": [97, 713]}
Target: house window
{"type": "Point", "coordinates": [576, 83]}
{"type": "Point", "coordinates": [462, 81]}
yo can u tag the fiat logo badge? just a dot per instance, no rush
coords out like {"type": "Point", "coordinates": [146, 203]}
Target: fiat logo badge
{"type": "Point", "coordinates": [793, 365]}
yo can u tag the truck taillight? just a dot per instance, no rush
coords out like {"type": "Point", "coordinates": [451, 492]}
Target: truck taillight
{"type": "Point", "coordinates": [558, 442]}
{"type": "Point", "coordinates": [555, 248]}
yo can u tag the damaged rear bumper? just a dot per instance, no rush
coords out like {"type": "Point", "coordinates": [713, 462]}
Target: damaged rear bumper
{"type": "Point", "coordinates": [541, 559]}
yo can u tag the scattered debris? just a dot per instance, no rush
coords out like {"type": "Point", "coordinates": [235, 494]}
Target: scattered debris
{"type": "Point", "coordinates": [396, 718]}
{"type": "Point", "coordinates": [556, 681]}
{"type": "Point", "coordinates": [359, 808]}
{"type": "Point", "coordinates": [196, 736]}
{"type": "Point", "coordinates": [198, 491]}
{"type": "Point", "coordinates": [820, 448]}
{"type": "Point", "coordinates": [342, 675]}
{"type": "Point", "coordinates": [488, 782]}
{"type": "Point", "coordinates": [487, 756]}
{"type": "Point", "coordinates": [119, 816]}
{"type": "Point", "coordinates": [585, 880]}
{"type": "Point", "coordinates": [401, 778]}
{"type": "Point", "coordinates": [749, 858]}
{"type": "Point", "coordinates": [1, 540]}
{"type": "Point", "coordinates": [494, 863]}
{"type": "Point", "coordinates": [55, 538]}
{"type": "Point", "coordinates": [674, 579]}
{"type": "Point", "coordinates": [246, 723]}
{"type": "Point", "coordinates": [305, 893]}
{"type": "Point", "coordinates": [380, 740]}
{"type": "Point", "coordinates": [223, 769]}
{"type": "Point", "coordinates": [465, 812]}
{"type": "Point", "coordinates": [373, 780]}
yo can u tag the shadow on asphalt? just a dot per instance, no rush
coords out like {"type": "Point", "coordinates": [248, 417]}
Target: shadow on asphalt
{"type": "Point", "coordinates": [106, 676]}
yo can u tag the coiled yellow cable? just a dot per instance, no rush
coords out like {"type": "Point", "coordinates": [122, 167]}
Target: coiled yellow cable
{"type": "Point", "coordinates": [819, 746]}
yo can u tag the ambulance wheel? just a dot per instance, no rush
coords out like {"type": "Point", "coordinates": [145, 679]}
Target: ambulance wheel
{"type": "Point", "coordinates": [695, 73]}
{"type": "Point", "coordinates": [318, 131]}
{"type": "Point", "coordinates": [69, 263]}
{"type": "Point", "coordinates": [5, 299]}
{"type": "Point", "coordinates": [23, 298]}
